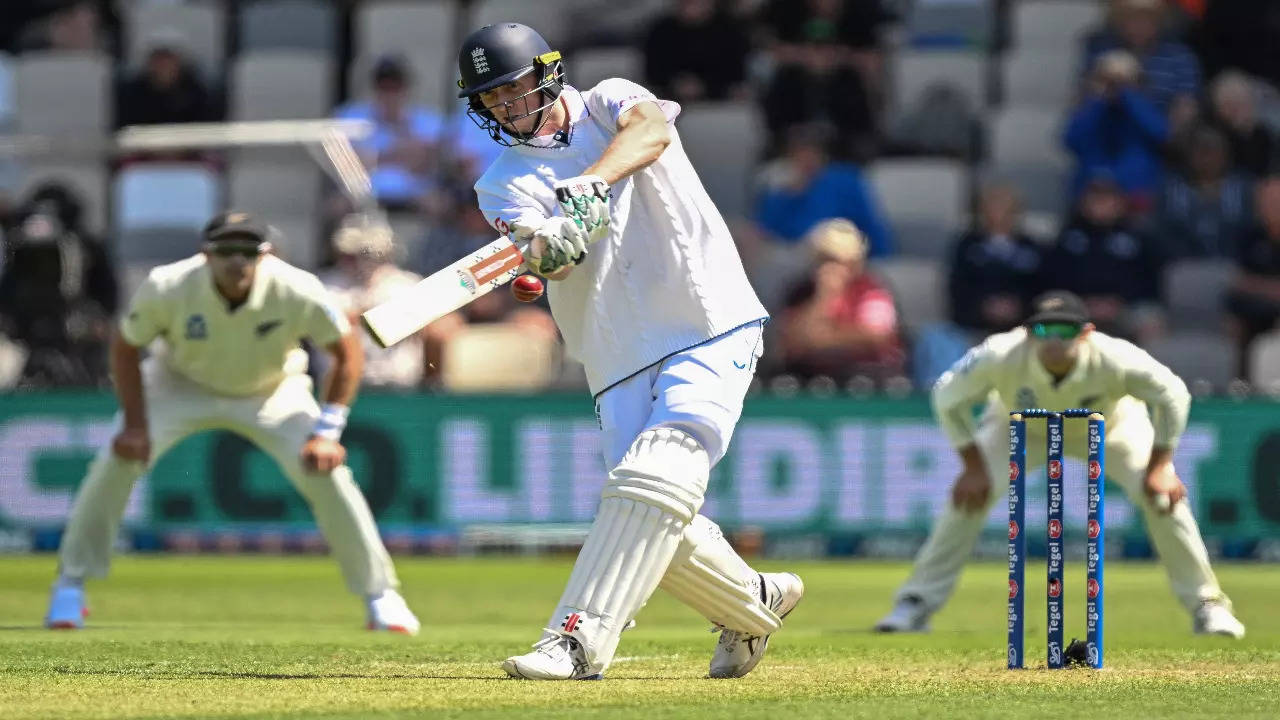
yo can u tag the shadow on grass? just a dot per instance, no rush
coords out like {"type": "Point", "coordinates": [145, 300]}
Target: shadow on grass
{"type": "Point", "coordinates": [240, 675]}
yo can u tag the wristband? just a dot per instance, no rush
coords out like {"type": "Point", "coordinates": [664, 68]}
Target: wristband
{"type": "Point", "coordinates": [332, 421]}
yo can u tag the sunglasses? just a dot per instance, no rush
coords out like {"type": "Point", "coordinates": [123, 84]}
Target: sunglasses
{"type": "Point", "coordinates": [1056, 330]}
{"type": "Point", "coordinates": [232, 249]}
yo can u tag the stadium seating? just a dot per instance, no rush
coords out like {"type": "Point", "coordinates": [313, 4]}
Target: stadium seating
{"type": "Point", "coordinates": [918, 286]}
{"type": "Point", "coordinates": [922, 192]}
{"type": "Point", "coordinates": [288, 24]}
{"type": "Point", "coordinates": [46, 80]}
{"type": "Point", "coordinates": [1022, 136]}
{"type": "Point", "coordinates": [160, 209]}
{"type": "Point", "coordinates": [1042, 190]}
{"type": "Point", "coordinates": [723, 141]}
{"type": "Point", "coordinates": [399, 27]}
{"type": "Point", "coordinates": [1198, 356]}
{"type": "Point", "coordinates": [201, 25]}
{"type": "Point", "coordinates": [282, 182]}
{"type": "Point", "coordinates": [534, 14]}
{"type": "Point", "coordinates": [590, 66]}
{"type": "Point", "coordinates": [1031, 77]}
{"type": "Point", "coordinates": [1194, 290]}
{"type": "Point", "coordinates": [1264, 362]}
{"type": "Point", "coordinates": [1053, 24]}
{"type": "Point", "coordinates": [431, 84]}
{"type": "Point", "coordinates": [281, 85]}
{"type": "Point", "coordinates": [914, 71]}
{"type": "Point", "coordinates": [8, 101]}
{"type": "Point", "coordinates": [950, 24]}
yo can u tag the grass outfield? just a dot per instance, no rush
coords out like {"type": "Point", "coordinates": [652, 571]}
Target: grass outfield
{"type": "Point", "coordinates": [261, 637]}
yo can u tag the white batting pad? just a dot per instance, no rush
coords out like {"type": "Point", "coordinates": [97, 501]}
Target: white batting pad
{"type": "Point", "coordinates": [649, 499]}
{"type": "Point", "coordinates": [708, 576]}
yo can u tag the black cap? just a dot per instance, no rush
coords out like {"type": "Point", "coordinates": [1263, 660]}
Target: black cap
{"type": "Point", "coordinates": [1058, 306]}
{"type": "Point", "coordinates": [236, 225]}
{"type": "Point", "coordinates": [390, 68]}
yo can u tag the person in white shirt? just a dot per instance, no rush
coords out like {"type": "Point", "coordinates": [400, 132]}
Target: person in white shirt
{"type": "Point", "coordinates": [649, 293]}
{"type": "Point", "coordinates": [1058, 360]}
{"type": "Point", "coordinates": [366, 275]}
{"type": "Point", "coordinates": [224, 328]}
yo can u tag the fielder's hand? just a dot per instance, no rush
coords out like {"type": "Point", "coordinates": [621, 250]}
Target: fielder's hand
{"type": "Point", "coordinates": [132, 444]}
{"type": "Point", "coordinates": [972, 490]}
{"type": "Point", "coordinates": [1162, 485]}
{"type": "Point", "coordinates": [320, 455]}
{"type": "Point", "coordinates": [558, 243]}
{"type": "Point", "coordinates": [585, 200]}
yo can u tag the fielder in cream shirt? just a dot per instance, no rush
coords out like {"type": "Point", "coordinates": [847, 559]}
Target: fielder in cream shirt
{"type": "Point", "coordinates": [224, 328]}
{"type": "Point", "coordinates": [1057, 360]}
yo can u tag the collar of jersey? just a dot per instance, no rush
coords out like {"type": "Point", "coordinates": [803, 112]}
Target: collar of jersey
{"type": "Point", "coordinates": [577, 108]}
{"type": "Point", "coordinates": [1077, 370]}
{"type": "Point", "coordinates": [256, 293]}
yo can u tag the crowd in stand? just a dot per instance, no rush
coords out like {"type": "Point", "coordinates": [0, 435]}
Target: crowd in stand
{"type": "Point", "coordinates": [1173, 158]}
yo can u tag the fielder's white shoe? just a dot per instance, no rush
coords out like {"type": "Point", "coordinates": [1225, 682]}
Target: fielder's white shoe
{"type": "Point", "coordinates": [557, 657]}
{"type": "Point", "coordinates": [909, 615]}
{"type": "Point", "coordinates": [738, 653]}
{"type": "Point", "coordinates": [66, 608]}
{"type": "Point", "coordinates": [1214, 618]}
{"type": "Point", "coordinates": [389, 612]}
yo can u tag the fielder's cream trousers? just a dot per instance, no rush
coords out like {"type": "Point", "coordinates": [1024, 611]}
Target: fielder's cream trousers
{"type": "Point", "coordinates": [279, 424]}
{"type": "Point", "coordinates": [1128, 449]}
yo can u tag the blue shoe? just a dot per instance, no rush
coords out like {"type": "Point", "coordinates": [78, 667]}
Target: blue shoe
{"type": "Point", "coordinates": [66, 608]}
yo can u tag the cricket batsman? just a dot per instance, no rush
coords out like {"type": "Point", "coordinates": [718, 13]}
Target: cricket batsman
{"type": "Point", "coordinates": [223, 327]}
{"type": "Point", "coordinates": [1058, 360]}
{"type": "Point", "coordinates": [650, 294]}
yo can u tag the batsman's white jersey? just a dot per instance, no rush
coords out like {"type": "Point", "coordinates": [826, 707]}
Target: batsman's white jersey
{"type": "Point", "coordinates": [242, 370]}
{"type": "Point", "coordinates": [1145, 405]}
{"type": "Point", "coordinates": [668, 275]}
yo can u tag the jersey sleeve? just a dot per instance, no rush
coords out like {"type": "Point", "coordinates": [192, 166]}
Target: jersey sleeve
{"type": "Point", "coordinates": [322, 318]}
{"type": "Point", "coordinates": [613, 97]}
{"type": "Point", "coordinates": [1153, 383]}
{"type": "Point", "coordinates": [145, 319]}
{"type": "Point", "coordinates": [508, 210]}
{"type": "Point", "coordinates": [964, 385]}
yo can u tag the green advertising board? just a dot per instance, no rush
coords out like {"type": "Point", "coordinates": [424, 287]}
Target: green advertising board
{"type": "Point", "coordinates": [875, 467]}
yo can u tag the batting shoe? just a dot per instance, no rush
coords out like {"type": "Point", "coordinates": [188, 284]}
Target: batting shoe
{"type": "Point", "coordinates": [66, 608]}
{"type": "Point", "coordinates": [388, 611]}
{"type": "Point", "coordinates": [1215, 618]}
{"type": "Point", "coordinates": [909, 615]}
{"type": "Point", "coordinates": [738, 653]}
{"type": "Point", "coordinates": [555, 657]}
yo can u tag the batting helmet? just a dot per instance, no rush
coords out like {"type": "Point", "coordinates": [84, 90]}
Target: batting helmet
{"type": "Point", "coordinates": [499, 54]}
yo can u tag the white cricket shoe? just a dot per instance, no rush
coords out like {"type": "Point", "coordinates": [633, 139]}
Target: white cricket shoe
{"type": "Point", "coordinates": [909, 615]}
{"type": "Point", "coordinates": [66, 608]}
{"type": "Point", "coordinates": [389, 612]}
{"type": "Point", "coordinates": [1214, 618]}
{"type": "Point", "coordinates": [738, 653]}
{"type": "Point", "coordinates": [557, 657]}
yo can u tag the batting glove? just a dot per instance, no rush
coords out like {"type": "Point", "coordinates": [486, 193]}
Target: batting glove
{"type": "Point", "coordinates": [585, 200]}
{"type": "Point", "coordinates": [557, 243]}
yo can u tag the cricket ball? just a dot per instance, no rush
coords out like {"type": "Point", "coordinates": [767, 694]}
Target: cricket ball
{"type": "Point", "coordinates": [527, 288]}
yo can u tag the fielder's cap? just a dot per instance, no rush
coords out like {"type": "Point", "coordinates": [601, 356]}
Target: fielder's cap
{"type": "Point", "coordinates": [390, 68]}
{"type": "Point", "coordinates": [1058, 306]}
{"type": "Point", "coordinates": [236, 225]}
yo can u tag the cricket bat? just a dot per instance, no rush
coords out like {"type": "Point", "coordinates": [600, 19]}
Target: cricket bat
{"type": "Point", "coordinates": [479, 273]}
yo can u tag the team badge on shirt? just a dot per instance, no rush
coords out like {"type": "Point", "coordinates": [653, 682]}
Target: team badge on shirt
{"type": "Point", "coordinates": [196, 328]}
{"type": "Point", "coordinates": [1025, 398]}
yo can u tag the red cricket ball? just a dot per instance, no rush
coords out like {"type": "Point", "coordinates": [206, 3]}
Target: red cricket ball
{"type": "Point", "coordinates": [527, 288]}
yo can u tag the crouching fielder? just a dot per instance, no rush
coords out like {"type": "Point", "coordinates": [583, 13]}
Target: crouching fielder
{"type": "Point", "coordinates": [1058, 360]}
{"type": "Point", "coordinates": [650, 294]}
{"type": "Point", "coordinates": [227, 324]}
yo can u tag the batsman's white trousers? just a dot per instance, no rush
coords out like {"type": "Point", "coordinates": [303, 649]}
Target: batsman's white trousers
{"type": "Point", "coordinates": [279, 424]}
{"type": "Point", "coordinates": [1128, 449]}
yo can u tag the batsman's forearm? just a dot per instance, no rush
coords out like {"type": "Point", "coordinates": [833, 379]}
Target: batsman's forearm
{"type": "Point", "coordinates": [638, 144]}
{"type": "Point", "coordinates": [1159, 457]}
{"type": "Point", "coordinates": [127, 376]}
{"type": "Point", "coordinates": [348, 365]}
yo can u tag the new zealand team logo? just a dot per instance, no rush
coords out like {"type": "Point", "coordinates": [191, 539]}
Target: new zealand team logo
{"type": "Point", "coordinates": [1055, 588]}
{"type": "Point", "coordinates": [1093, 588]}
{"type": "Point", "coordinates": [1013, 530]}
{"type": "Point", "coordinates": [1055, 529]}
{"type": "Point", "coordinates": [196, 328]}
{"type": "Point", "coordinates": [1055, 469]}
{"type": "Point", "coordinates": [1094, 529]}
{"type": "Point", "coordinates": [1095, 470]}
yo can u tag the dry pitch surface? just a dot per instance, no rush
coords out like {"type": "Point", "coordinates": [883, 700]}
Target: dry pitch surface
{"type": "Point", "coordinates": [264, 637]}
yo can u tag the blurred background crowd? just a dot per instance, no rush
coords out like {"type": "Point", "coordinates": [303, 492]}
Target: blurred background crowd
{"type": "Point", "coordinates": [901, 175]}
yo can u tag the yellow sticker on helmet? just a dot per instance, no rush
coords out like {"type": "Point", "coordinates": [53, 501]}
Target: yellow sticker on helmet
{"type": "Point", "coordinates": [548, 57]}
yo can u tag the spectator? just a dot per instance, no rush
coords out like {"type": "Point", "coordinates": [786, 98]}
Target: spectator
{"type": "Point", "coordinates": [697, 52]}
{"type": "Point", "coordinates": [58, 292]}
{"type": "Point", "coordinates": [800, 190]}
{"type": "Point", "coordinates": [1170, 75]}
{"type": "Point", "coordinates": [1205, 212]}
{"type": "Point", "coordinates": [1118, 130]}
{"type": "Point", "coordinates": [365, 275]}
{"type": "Point", "coordinates": [168, 89]}
{"type": "Point", "coordinates": [995, 268]}
{"type": "Point", "coordinates": [824, 54]}
{"type": "Point", "coordinates": [402, 149]}
{"type": "Point", "coordinates": [75, 26]}
{"type": "Point", "coordinates": [1254, 299]}
{"type": "Point", "coordinates": [1104, 259]}
{"type": "Point", "coordinates": [1235, 112]}
{"type": "Point", "coordinates": [840, 321]}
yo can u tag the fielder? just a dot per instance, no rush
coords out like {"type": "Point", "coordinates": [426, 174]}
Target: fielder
{"type": "Point", "coordinates": [1058, 360]}
{"type": "Point", "coordinates": [226, 325]}
{"type": "Point", "coordinates": [650, 294]}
